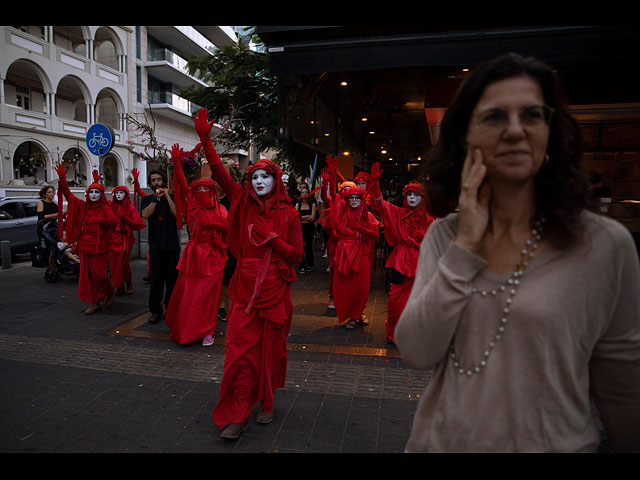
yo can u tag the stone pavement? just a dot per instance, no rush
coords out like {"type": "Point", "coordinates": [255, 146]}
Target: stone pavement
{"type": "Point", "coordinates": [111, 382]}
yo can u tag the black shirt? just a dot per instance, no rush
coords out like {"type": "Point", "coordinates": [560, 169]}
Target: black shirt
{"type": "Point", "coordinates": [163, 232]}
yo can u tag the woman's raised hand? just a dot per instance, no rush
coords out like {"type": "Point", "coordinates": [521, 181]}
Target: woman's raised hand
{"type": "Point", "coordinates": [473, 201]}
{"type": "Point", "coordinates": [203, 126]}
{"type": "Point", "coordinates": [376, 172]}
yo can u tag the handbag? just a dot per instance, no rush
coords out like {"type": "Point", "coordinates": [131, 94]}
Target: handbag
{"type": "Point", "coordinates": [40, 254]}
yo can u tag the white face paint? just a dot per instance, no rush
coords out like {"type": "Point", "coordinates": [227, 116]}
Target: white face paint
{"type": "Point", "coordinates": [94, 194]}
{"type": "Point", "coordinates": [354, 201]}
{"type": "Point", "coordinates": [262, 182]}
{"type": "Point", "coordinates": [120, 195]}
{"type": "Point", "coordinates": [413, 199]}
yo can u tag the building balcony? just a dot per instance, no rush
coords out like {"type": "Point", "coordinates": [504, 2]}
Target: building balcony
{"type": "Point", "coordinates": [171, 106]}
{"type": "Point", "coordinates": [171, 68]}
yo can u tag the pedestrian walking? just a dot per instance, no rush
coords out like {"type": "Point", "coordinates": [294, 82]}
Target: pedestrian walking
{"type": "Point", "coordinates": [404, 229]}
{"type": "Point", "coordinates": [525, 304]}
{"type": "Point", "coordinates": [47, 211]}
{"type": "Point", "coordinates": [164, 244]}
{"type": "Point", "coordinates": [90, 223]}
{"type": "Point", "coordinates": [266, 239]}
{"type": "Point", "coordinates": [192, 313]}
{"type": "Point", "coordinates": [307, 206]}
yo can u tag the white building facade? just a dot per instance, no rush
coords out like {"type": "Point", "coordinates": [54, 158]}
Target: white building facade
{"type": "Point", "coordinates": [57, 81]}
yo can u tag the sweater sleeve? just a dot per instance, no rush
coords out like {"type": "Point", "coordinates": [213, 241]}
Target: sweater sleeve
{"type": "Point", "coordinates": [440, 293]}
{"type": "Point", "coordinates": [291, 249]}
{"type": "Point", "coordinates": [615, 363]}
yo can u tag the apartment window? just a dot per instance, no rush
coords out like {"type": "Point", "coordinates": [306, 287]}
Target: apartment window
{"type": "Point", "coordinates": [138, 42]}
{"type": "Point", "coordinates": [23, 97]}
{"type": "Point", "coordinates": [138, 84]}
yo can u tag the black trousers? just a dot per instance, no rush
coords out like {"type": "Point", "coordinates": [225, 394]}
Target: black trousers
{"type": "Point", "coordinates": [162, 277]}
{"type": "Point", "coordinates": [308, 232]}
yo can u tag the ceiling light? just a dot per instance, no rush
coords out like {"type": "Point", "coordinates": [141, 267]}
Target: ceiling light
{"type": "Point", "coordinates": [372, 132]}
{"type": "Point", "coordinates": [383, 152]}
{"type": "Point", "coordinates": [364, 119]}
{"type": "Point", "coordinates": [344, 84]}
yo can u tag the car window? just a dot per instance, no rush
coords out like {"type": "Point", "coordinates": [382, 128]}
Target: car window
{"type": "Point", "coordinates": [30, 209]}
{"type": "Point", "coordinates": [10, 210]}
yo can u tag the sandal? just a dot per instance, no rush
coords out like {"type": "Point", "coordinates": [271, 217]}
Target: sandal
{"type": "Point", "coordinates": [363, 320]}
{"type": "Point", "coordinates": [351, 324]}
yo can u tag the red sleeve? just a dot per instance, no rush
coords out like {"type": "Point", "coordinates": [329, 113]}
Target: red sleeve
{"type": "Point", "coordinates": [291, 250]}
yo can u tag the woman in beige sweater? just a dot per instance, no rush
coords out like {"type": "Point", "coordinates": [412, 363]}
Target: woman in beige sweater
{"type": "Point", "coordinates": [525, 304]}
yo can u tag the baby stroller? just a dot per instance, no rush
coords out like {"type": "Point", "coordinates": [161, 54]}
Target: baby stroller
{"type": "Point", "coordinates": [65, 264]}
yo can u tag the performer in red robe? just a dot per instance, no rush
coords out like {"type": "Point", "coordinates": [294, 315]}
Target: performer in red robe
{"type": "Point", "coordinates": [122, 239]}
{"type": "Point", "coordinates": [330, 184]}
{"type": "Point", "coordinates": [265, 236]}
{"type": "Point", "coordinates": [90, 223]}
{"type": "Point", "coordinates": [192, 313]}
{"type": "Point", "coordinates": [404, 229]}
{"type": "Point", "coordinates": [353, 226]}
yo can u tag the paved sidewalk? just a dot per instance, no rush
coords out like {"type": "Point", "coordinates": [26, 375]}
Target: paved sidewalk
{"type": "Point", "coordinates": [111, 382]}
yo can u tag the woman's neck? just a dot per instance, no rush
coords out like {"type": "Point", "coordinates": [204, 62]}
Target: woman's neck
{"type": "Point", "coordinates": [512, 207]}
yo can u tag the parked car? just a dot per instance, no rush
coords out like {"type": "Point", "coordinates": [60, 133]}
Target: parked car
{"type": "Point", "coordinates": [18, 218]}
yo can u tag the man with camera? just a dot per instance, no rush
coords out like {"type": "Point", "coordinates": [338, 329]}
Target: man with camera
{"type": "Point", "coordinates": [164, 244]}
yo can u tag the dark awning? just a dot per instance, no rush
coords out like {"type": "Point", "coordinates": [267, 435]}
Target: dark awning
{"type": "Point", "coordinates": [308, 50]}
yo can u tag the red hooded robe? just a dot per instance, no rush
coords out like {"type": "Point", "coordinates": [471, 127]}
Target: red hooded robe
{"type": "Point", "coordinates": [192, 313]}
{"type": "Point", "coordinates": [405, 228]}
{"type": "Point", "coordinates": [265, 236]}
{"type": "Point", "coordinates": [122, 238]}
{"type": "Point", "coordinates": [352, 254]}
{"type": "Point", "coordinates": [91, 225]}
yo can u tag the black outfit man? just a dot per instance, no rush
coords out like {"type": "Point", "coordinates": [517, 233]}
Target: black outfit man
{"type": "Point", "coordinates": [164, 244]}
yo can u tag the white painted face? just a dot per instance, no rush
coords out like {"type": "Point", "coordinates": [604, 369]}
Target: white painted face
{"type": "Point", "coordinates": [354, 201]}
{"type": "Point", "coordinates": [262, 182]}
{"type": "Point", "coordinates": [120, 195]}
{"type": "Point", "coordinates": [94, 194]}
{"type": "Point", "coordinates": [413, 199]}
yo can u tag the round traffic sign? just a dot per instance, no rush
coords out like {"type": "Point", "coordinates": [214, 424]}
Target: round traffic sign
{"type": "Point", "coordinates": [100, 139]}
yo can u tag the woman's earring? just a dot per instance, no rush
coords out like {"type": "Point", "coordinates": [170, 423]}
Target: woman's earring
{"type": "Point", "coordinates": [546, 159]}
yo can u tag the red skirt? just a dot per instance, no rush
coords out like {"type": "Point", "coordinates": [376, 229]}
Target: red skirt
{"type": "Point", "coordinates": [94, 284]}
{"type": "Point", "coordinates": [351, 292]}
{"type": "Point", "coordinates": [192, 313]}
{"type": "Point", "coordinates": [398, 296]}
{"type": "Point", "coordinates": [255, 362]}
{"type": "Point", "coordinates": [119, 267]}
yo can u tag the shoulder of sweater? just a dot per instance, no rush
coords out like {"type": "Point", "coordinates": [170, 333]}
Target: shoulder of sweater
{"type": "Point", "coordinates": [601, 228]}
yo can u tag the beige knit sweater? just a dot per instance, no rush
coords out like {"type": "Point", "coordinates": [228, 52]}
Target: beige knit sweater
{"type": "Point", "coordinates": [573, 334]}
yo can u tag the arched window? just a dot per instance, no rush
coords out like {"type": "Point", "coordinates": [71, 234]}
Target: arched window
{"type": "Point", "coordinates": [75, 161]}
{"type": "Point", "coordinates": [29, 163]}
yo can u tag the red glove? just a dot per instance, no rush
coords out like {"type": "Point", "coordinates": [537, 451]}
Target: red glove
{"type": "Point", "coordinates": [203, 126]}
{"type": "Point", "coordinates": [376, 172]}
{"type": "Point", "coordinates": [325, 176]}
{"type": "Point", "coordinates": [62, 173]}
{"type": "Point", "coordinates": [176, 154]}
{"type": "Point", "coordinates": [332, 163]}
{"type": "Point", "coordinates": [261, 229]}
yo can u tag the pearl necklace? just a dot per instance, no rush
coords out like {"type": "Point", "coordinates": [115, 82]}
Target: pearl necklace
{"type": "Point", "coordinates": [510, 286]}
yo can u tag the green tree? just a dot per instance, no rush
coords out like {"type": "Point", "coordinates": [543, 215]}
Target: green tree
{"type": "Point", "coordinates": [243, 96]}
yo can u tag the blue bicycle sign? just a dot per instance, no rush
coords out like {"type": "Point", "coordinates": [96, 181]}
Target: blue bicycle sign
{"type": "Point", "coordinates": [100, 139]}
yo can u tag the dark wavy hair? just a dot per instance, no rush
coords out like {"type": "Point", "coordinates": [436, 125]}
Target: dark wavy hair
{"type": "Point", "coordinates": [562, 188]}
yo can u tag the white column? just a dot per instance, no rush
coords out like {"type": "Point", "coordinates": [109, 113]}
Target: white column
{"type": "Point", "coordinates": [1, 91]}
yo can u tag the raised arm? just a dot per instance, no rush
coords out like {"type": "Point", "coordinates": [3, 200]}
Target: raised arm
{"type": "Point", "coordinates": [218, 172]}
